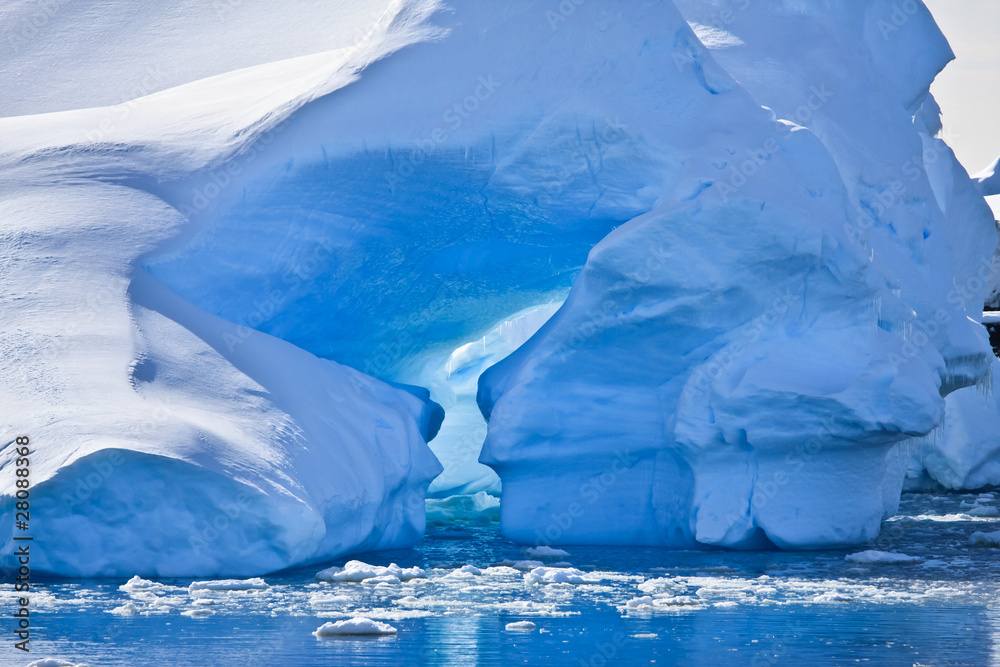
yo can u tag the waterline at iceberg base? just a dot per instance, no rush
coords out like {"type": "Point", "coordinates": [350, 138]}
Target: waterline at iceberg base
{"type": "Point", "coordinates": [922, 593]}
{"type": "Point", "coordinates": [708, 288]}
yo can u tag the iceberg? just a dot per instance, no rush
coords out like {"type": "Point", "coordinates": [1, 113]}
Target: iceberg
{"type": "Point", "coordinates": [748, 362]}
{"type": "Point", "coordinates": [696, 281]}
{"type": "Point", "coordinates": [166, 441]}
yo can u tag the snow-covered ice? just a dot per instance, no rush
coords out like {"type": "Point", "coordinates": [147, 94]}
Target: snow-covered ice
{"type": "Point", "coordinates": [800, 297]}
{"type": "Point", "coordinates": [255, 584]}
{"type": "Point", "coordinates": [559, 575]}
{"type": "Point", "coordinates": [359, 571]}
{"type": "Point", "coordinates": [188, 445]}
{"type": "Point", "coordinates": [874, 557]}
{"type": "Point", "coordinates": [354, 626]}
{"type": "Point", "coordinates": [520, 626]}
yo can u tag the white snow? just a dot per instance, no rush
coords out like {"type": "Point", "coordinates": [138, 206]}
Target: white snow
{"type": "Point", "coordinates": [464, 572]}
{"type": "Point", "coordinates": [873, 557]}
{"type": "Point", "coordinates": [254, 584]}
{"type": "Point", "coordinates": [558, 575]}
{"type": "Point", "coordinates": [198, 612]}
{"type": "Point", "coordinates": [644, 601]}
{"type": "Point", "coordinates": [524, 564]}
{"type": "Point", "coordinates": [127, 609]}
{"type": "Point", "coordinates": [520, 626]}
{"type": "Point", "coordinates": [139, 585]}
{"type": "Point", "coordinates": [354, 626]}
{"type": "Point", "coordinates": [359, 571]}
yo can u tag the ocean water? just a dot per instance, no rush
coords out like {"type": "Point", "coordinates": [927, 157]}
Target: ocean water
{"type": "Point", "coordinates": [635, 606]}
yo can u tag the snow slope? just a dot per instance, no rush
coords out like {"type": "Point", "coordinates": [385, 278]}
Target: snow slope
{"type": "Point", "coordinates": [167, 441]}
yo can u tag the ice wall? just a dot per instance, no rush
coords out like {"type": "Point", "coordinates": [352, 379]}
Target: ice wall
{"type": "Point", "coordinates": [165, 440]}
{"type": "Point", "coordinates": [739, 366]}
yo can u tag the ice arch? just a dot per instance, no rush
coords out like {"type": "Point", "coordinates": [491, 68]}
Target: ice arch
{"type": "Point", "coordinates": [314, 234]}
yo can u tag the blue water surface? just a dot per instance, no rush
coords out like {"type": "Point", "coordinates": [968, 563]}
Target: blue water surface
{"type": "Point", "coordinates": [711, 608]}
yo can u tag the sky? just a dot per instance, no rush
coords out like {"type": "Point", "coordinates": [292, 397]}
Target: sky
{"type": "Point", "coordinates": [968, 89]}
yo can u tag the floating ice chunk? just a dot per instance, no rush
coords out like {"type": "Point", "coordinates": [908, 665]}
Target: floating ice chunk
{"type": "Point", "coordinates": [544, 551]}
{"type": "Point", "coordinates": [408, 600]}
{"type": "Point", "coordinates": [526, 564]}
{"type": "Point", "coordinates": [355, 626]}
{"type": "Point", "coordinates": [501, 571]}
{"type": "Point", "coordinates": [464, 572]}
{"type": "Point", "coordinates": [882, 557]}
{"type": "Point", "coordinates": [255, 584]}
{"type": "Point", "coordinates": [726, 604]}
{"type": "Point", "coordinates": [408, 573]}
{"type": "Point", "coordinates": [323, 600]}
{"type": "Point", "coordinates": [644, 601]}
{"type": "Point", "coordinates": [198, 612]}
{"type": "Point", "coordinates": [832, 596]}
{"type": "Point", "coordinates": [558, 575]}
{"type": "Point", "coordinates": [520, 626]}
{"type": "Point", "coordinates": [980, 539]}
{"type": "Point", "coordinates": [353, 570]}
{"type": "Point", "coordinates": [358, 571]}
{"type": "Point", "coordinates": [127, 609]}
{"type": "Point", "coordinates": [677, 601]}
{"type": "Point", "coordinates": [56, 662]}
{"type": "Point", "coordinates": [647, 635]}
{"type": "Point", "coordinates": [139, 585]}
{"type": "Point", "coordinates": [526, 607]}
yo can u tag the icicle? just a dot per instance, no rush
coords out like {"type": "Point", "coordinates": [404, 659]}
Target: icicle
{"type": "Point", "coordinates": [984, 384]}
